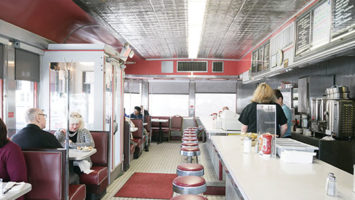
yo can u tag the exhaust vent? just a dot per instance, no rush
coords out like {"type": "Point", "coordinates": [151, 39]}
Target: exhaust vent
{"type": "Point", "coordinates": [217, 66]}
{"type": "Point", "coordinates": [198, 66]}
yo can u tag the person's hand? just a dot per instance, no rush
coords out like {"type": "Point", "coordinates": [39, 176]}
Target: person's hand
{"type": "Point", "coordinates": [70, 142]}
{"type": "Point", "coordinates": [63, 131]}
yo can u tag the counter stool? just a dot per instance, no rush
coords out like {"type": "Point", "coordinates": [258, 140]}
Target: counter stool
{"type": "Point", "coordinates": [189, 137]}
{"type": "Point", "coordinates": [189, 152]}
{"type": "Point", "coordinates": [189, 197]}
{"type": "Point", "coordinates": [189, 144]}
{"type": "Point", "coordinates": [190, 169]}
{"type": "Point", "coordinates": [189, 140]}
{"type": "Point", "coordinates": [189, 185]}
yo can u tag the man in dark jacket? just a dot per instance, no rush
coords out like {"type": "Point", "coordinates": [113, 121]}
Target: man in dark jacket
{"type": "Point", "coordinates": [32, 136]}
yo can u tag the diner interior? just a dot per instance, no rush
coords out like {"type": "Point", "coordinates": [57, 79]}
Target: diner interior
{"type": "Point", "coordinates": [166, 96]}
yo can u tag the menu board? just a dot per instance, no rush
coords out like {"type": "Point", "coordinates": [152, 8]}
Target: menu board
{"type": "Point", "coordinates": [321, 24]}
{"type": "Point", "coordinates": [303, 33]}
{"type": "Point", "coordinates": [343, 16]}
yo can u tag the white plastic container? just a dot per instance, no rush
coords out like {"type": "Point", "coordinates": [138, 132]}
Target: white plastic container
{"type": "Point", "coordinates": [294, 151]}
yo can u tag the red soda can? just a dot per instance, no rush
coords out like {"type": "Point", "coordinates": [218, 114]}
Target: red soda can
{"type": "Point", "coordinates": [266, 148]}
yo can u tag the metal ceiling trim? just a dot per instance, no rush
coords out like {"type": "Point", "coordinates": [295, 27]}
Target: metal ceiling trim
{"type": "Point", "coordinates": [28, 40]}
{"type": "Point", "coordinates": [189, 59]}
{"type": "Point", "coordinates": [278, 29]}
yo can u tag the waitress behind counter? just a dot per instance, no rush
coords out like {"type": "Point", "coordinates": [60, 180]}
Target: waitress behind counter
{"type": "Point", "coordinates": [263, 94]}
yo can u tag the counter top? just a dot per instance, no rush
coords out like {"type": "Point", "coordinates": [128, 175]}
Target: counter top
{"type": "Point", "coordinates": [258, 178]}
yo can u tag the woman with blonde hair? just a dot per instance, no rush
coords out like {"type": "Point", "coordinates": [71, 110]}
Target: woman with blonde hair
{"type": "Point", "coordinates": [78, 135]}
{"type": "Point", "coordinates": [263, 94]}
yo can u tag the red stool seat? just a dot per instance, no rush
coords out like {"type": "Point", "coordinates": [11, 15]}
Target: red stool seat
{"type": "Point", "coordinates": [189, 144]}
{"type": "Point", "coordinates": [189, 181]}
{"type": "Point", "coordinates": [190, 149]}
{"type": "Point", "coordinates": [190, 167]}
{"type": "Point", "coordinates": [189, 185]}
{"type": "Point", "coordinates": [189, 197]}
{"type": "Point", "coordinates": [190, 140]}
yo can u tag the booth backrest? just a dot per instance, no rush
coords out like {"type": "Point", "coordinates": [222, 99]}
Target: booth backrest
{"type": "Point", "coordinates": [147, 119]}
{"type": "Point", "coordinates": [100, 158]}
{"type": "Point", "coordinates": [45, 169]}
{"type": "Point", "coordinates": [139, 124]}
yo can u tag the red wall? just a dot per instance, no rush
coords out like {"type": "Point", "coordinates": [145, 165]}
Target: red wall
{"type": "Point", "coordinates": [231, 68]}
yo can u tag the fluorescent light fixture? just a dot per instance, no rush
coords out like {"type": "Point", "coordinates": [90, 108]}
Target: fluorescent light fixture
{"type": "Point", "coordinates": [196, 14]}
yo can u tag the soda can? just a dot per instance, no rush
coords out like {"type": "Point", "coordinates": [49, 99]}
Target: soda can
{"type": "Point", "coordinates": [266, 145]}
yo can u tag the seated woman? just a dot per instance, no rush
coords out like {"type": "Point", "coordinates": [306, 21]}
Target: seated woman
{"type": "Point", "coordinates": [78, 135]}
{"type": "Point", "coordinates": [12, 161]}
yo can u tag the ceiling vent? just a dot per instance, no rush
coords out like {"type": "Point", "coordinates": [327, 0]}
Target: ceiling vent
{"type": "Point", "coordinates": [217, 66]}
{"type": "Point", "coordinates": [198, 66]}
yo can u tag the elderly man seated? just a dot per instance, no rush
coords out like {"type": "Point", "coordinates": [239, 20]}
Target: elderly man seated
{"type": "Point", "coordinates": [33, 137]}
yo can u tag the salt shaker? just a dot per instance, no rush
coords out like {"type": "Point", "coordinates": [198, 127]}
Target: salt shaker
{"type": "Point", "coordinates": [331, 185]}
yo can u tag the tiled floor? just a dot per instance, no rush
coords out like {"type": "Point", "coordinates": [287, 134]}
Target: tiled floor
{"type": "Point", "coordinates": [162, 158]}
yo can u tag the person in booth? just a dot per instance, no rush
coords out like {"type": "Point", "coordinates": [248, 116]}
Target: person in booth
{"type": "Point", "coordinates": [12, 161]}
{"type": "Point", "coordinates": [287, 111]}
{"type": "Point", "coordinates": [263, 94]}
{"type": "Point", "coordinates": [137, 113]}
{"type": "Point", "coordinates": [79, 137]}
{"type": "Point", "coordinates": [32, 136]}
{"type": "Point", "coordinates": [145, 112]}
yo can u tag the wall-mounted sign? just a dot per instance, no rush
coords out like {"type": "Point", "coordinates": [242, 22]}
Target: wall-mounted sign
{"type": "Point", "coordinates": [321, 24]}
{"type": "Point", "coordinates": [303, 33]}
{"type": "Point", "coordinates": [343, 17]}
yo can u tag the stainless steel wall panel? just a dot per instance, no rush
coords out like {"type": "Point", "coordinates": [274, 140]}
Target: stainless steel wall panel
{"type": "Point", "coordinates": [216, 86]}
{"type": "Point", "coordinates": [244, 95]}
{"type": "Point", "coordinates": [192, 98]}
{"type": "Point", "coordinates": [168, 87]}
{"type": "Point", "coordinates": [132, 86]}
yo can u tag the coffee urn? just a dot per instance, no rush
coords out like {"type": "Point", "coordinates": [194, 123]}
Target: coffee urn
{"type": "Point", "coordinates": [340, 112]}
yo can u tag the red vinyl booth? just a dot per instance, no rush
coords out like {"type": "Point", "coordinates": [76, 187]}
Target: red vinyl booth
{"type": "Point", "coordinates": [46, 173]}
{"type": "Point", "coordinates": [97, 181]}
{"type": "Point", "coordinates": [138, 137]}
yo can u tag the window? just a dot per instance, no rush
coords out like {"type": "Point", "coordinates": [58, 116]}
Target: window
{"type": "Point", "coordinates": [24, 101]}
{"type": "Point", "coordinates": [81, 94]}
{"type": "Point", "coordinates": [131, 100]}
{"type": "Point", "coordinates": [168, 104]}
{"type": "Point", "coordinates": [206, 104]}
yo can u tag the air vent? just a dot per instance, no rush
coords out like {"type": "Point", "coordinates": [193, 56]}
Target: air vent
{"type": "Point", "coordinates": [200, 66]}
{"type": "Point", "coordinates": [217, 66]}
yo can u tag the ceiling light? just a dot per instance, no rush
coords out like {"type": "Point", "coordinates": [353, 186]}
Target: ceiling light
{"type": "Point", "coordinates": [196, 14]}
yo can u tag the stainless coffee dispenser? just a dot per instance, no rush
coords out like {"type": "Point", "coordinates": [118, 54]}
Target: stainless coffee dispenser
{"type": "Point", "coordinates": [340, 112]}
{"type": "Point", "coordinates": [318, 115]}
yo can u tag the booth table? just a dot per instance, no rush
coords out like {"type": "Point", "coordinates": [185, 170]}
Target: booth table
{"type": "Point", "coordinates": [249, 176]}
{"type": "Point", "coordinates": [14, 192]}
{"type": "Point", "coordinates": [160, 131]}
{"type": "Point", "coordinates": [75, 154]}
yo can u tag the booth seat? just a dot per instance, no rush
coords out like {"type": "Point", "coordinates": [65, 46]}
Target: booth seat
{"type": "Point", "coordinates": [138, 137]}
{"type": "Point", "coordinates": [46, 173]}
{"type": "Point", "coordinates": [97, 181]}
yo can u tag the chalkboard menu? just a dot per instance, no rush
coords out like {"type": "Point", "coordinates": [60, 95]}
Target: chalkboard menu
{"type": "Point", "coordinates": [343, 16]}
{"type": "Point", "coordinates": [303, 33]}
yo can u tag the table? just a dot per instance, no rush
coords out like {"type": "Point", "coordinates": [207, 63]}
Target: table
{"type": "Point", "coordinates": [75, 154]}
{"type": "Point", "coordinates": [133, 129]}
{"type": "Point", "coordinates": [256, 178]}
{"type": "Point", "coordinates": [15, 193]}
{"type": "Point", "coordinates": [160, 130]}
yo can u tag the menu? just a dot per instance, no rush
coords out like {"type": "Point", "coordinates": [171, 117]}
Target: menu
{"type": "Point", "coordinates": [321, 25]}
{"type": "Point", "coordinates": [343, 16]}
{"type": "Point", "coordinates": [303, 33]}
